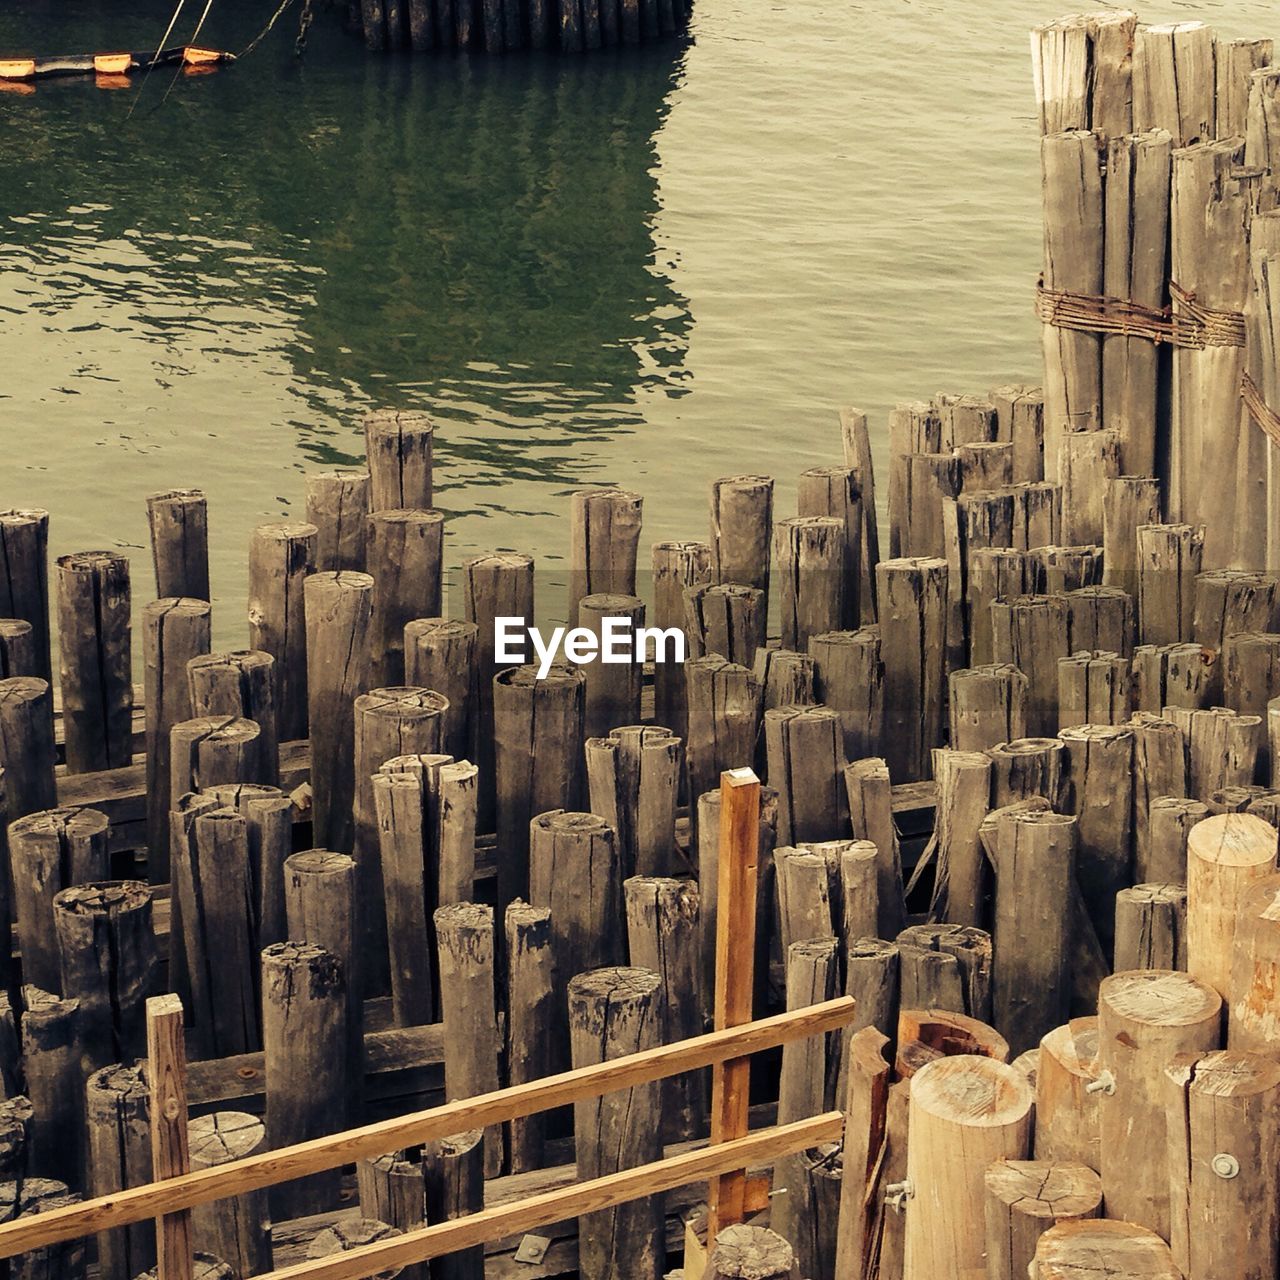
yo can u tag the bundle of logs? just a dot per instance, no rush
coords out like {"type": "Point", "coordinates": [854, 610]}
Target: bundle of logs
{"type": "Point", "coordinates": [503, 26]}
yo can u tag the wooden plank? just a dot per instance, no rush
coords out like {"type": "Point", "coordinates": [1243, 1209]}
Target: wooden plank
{"type": "Point", "coordinates": [735, 977]}
{"type": "Point", "coordinates": [272, 1167]}
{"type": "Point", "coordinates": [583, 1197]}
{"type": "Point", "coordinates": [170, 1155]}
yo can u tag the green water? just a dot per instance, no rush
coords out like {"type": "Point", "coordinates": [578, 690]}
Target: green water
{"type": "Point", "coordinates": [647, 269]}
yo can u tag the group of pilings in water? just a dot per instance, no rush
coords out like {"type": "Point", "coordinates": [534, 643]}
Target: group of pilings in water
{"type": "Point", "coordinates": [505, 26]}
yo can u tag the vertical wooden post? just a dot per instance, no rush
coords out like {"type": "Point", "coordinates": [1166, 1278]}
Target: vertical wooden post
{"type": "Point", "coordinates": [837, 492]}
{"type": "Point", "coordinates": [179, 523]}
{"type": "Point", "coordinates": [988, 706]}
{"type": "Point", "coordinates": [1151, 927]}
{"type": "Point", "coordinates": [1024, 1199]}
{"type": "Point", "coordinates": [806, 768]}
{"type": "Point", "coordinates": [611, 690]}
{"type": "Point", "coordinates": [237, 1228]}
{"type": "Point", "coordinates": [857, 456]}
{"type": "Point", "coordinates": [1030, 632]}
{"type": "Point", "coordinates": [441, 654]}
{"type": "Point", "coordinates": [849, 678]}
{"type": "Point", "coordinates": [167, 1081]}
{"type": "Point", "coordinates": [406, 560]}
{"type": "Point", "coordinates": [735, 961]}
{"type": "Point", "coordinates": [741, 529]}
{"type": "Point", "coordinates": [338, 506]}
{"type": "Point", "coordinates": [1169, 559]}
{"type": "Point", "coordinates": [531, 1020]}
{"type": "Point", "coordinates": [27, 753]}
{"type": "Point", "coordinates": [55, 1082]}
{"type": "Point", "coordinates": [633, 778]}
{"type": "Point", "coordinates": [17, 649]}
{"type": "Point", "coordinates": [604, 535]}
{"type": "Point", "coordinates": [453, 1169]}
{"type": "Point", "coordinates": [1067, 1110]}
{"type": "Point", "coordinates": [677, 566]}
{"type": "Point", "coordinates": [118, 1130]}
{"type": "Point", "coordinates": [397, 446]}
{"type": "Point", "coordinates": [240, 684]}
{"type": "Point", "coordinates": [24, 578]}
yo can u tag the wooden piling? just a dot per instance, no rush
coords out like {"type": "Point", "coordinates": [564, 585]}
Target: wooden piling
{"type": "Point", "coordinates": [1093, 688]}
{"type": "Point", "coordinates": [17, 649]}
{"type": "Point", "coordinates": [1055, 569]}
{"type": "Point", "coordinates": [1169, 560]}
{"type": "Point", "coordinates": [1226, 855]}
{"type": "Point", "coordinates": [871, 818]}
{"type": "Point", "coordinates": [613, 1012]}
{"type": "Point", "coordinates": [1037, 515]}
{"type": "Point", "coordinates": [913, 428]}
{"type": "Point", "coordinates": [741, 530]}
{"type": "Point", "coordinates": [746, 1252]}
{"type": "Point", "coordinates": [677, 567]}
{"type": "Point", "coordinates": [304, 1003]}
{"type": "Point", "coordinates": [1027, 767]}
{"type": "Point", "coordinates": [321, 905]}
{"type": "Point", "coordinates": [810, 563]}
{"type": "Point", "coordinates": [966, 1112]}
{"type": "Point", "coordinates": [1170, 821]}
{"type": "Point", "coordinates": [453, 1169]}
{"type": "Point", "coordinates": [786, 680]}
{"type": "Point", "coordinates": [269, 815]}
{"type": "Point", "coordinates": [96, 662]}
{"type": "Point", "coordinates": [988, 706]}
{"type": "Point", "coordinates": [1088, 462]}
{"type": "Point", "coordinates": [1145, 1017]}
{"type": "Point", "coordinates": [55, 1083]}
{"type": "Point", "coordinates": [468, 1008]}
{"type": "Point", "coordinates": [392, 1190]}
{"type": "Point", "coordinates": [961, 878]}
{"type": "Point", "coordinates": [806, 768]}
{"type": "Point", "coordinates": [1097, 786]}
{"type": "Point", "coordinates": [1173, 81]}
{"type": "Point", "coordinates": [1082, 68]}
{"type": "Point", "coordinates": [633, 777]}
{"type": "Point", "coordinates": [1067, 1110]}
{"type": "Point", "coordinates": [1222, 748]}
{"type": "Point", "coordinates": [531, 1021]}
{"type": "Point", "coordinates": [119, 1156]}
{"type": "Point", "coordinates": [1231, 600]}
{"type": "Point", "coordinates": [808, 887]}
{"type": "Point", "coordinates": [849, 678]}
{"type": "Point", "coordinates": [398, 446]}
{"type": "Point", "coordinates": [857, 457]}
{"type": "Point", "coordinates": [723, 717]}
{"type": "Point", "coordinates": [406, 559]}
{"type": "Point", "coordinates": [338, 506]}
{"type": "Point", "coordinates": [611, 689]}
{"type": "Point", "coordinates": [1024, 1198]}
{"type": "Point", "coordinates": [604, 532]}
{"type": "Point", "coordinates": [1101, 618]}
{"type": "Point", "coordinates": [1224, 1145]}
{"type": "Point", "coordinates": [24, 578]}
{"type": "Point", "coordinates": [1159, 777]}
{"type": "Point", "coordinates": [443, 654]}
{"type": "Point", "coordinates": [179, 522]}
{"type": "Point", "coordinates": [238, 1228]}
{"type": "Point", "coordinates": [913, 621]}
{"type": "Point", "coordinates": [1173, 675]}
{"type": "Point", "coordinates": [539, 749]}
{"type": "Point", "coordinates": [338, 608]}
{"type": "Point", "coordinates": [211, 751]}
{"type": "Point", "coordinates": [240, 684]}
{"type": "Point", "coordinates": [833, 492]}
{"type": "Point", "coordinates": [663, 934]}
{"type": "Point", "coordinates": [1030, 633]}
{"type": "Point", "coordinates": [1125, 1250]}
{"type": "Point", "coordinates": [281, 556]}
{"type": "Point", "coordinates": [723, 619]}
{"type": "Point", "coordinates": [931, 479]}
{"type": "Point", "coordinates": [27, 751]}
{"type": "Point", "coordinates": [946, 967]}
{"type": "Point", "coordinates": [31, 1196]}
{"type": "Point", "coordinates": [1034, 866]}
{"type": "Point", "coordinates": [1151, 927]}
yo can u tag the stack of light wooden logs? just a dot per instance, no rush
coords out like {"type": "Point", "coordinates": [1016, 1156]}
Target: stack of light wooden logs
{"type": "Point", "coordinates": [504, 26]}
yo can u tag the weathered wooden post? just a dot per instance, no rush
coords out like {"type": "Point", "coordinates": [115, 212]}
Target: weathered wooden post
{"type": "Point", "coordinates": [806, 767]}
{"type": "Point", "coordinates": [1169, 560]}
{"type": "Point", "coordinates": [269, 814]}
{"type": "Point", "coordinates": [1125, 1250]}
{"type": "Point", "coordinates": [17, 648]}
{"type": "Point", "coordinates": [1159, 783]}
{"type": "Point", "coordinates": [723, 717]}
{"type": "Point", "coordinates": [604, 532]}
{"type": "Point", "coordinates": [119, 1156]}
{"type": "Point", "coordinates": [988, 706]}
{"type": "Point", "coordinates": [531, 1021]}
{"type": "Point", "coordinates": [913, 621]}
{"type": "Point", "coordinates": [723, 619]}
{"type": "Point", "coordinates": [539, 750]}
{"type": "Point", "coordinates": [338, 607]}
{"type": "Point", "coordinates": [338, 506]}
{"type": "Point", "coordinates": [611, 689]}
{"type": "Point", "coordinates": [26, 1198]}
{"type": "Point", "coordinates": [633, 777]}
{"type": "Point", "coordinates": [239, 1227]}
{"type": "Point", "coordinates": [1231, 600]}
{"type": "Point", "coordinates": [946, 967]}
{"type": "Point", "coordinates": [179, 522]}
{"type": "Point", "coordinates": [1088, 462]}
{"type": "Point", "coordinates": [836, 492]}
{"type": "Point", "coordinates": [741, 530]}
{"type": "Point", "coordinates": [1145, 1017]}
{"type": "Point", "coordinates": [304, 1002]}
{"type": "Point", "coordinates": [468, 1008]}
{"type": "Point", "coordinates": [1173, 675]}
{"type": "Point", "coordinates": [1222, 748]}
{"type": "Point", "coordinates": [24, 578]}
{"type": "Point", "coordinates": [406, 559]}
{"type": "Point", "coordinates": [96, 660]}
{"type": "Point", "coordinates": [1094, 687]}
{"type": "Point", "coordinates": [1067, 1110]}
{"type": "Point", "coordinates": [849, 678]}
{"type": "Point", "coordinates": [963, 796]}
{"type": "Point", "coordinates": [174, 631]}
{"type": "Point", "coordinates": [809, 554]}
{"type": "Point", "coordinates": [1083, 73]}
{"type": "Point", "coordinates": [1031, 633]}
{"type": "Point", "coordinates": [1024, 1199]}
{"type": "Point", "coordinates": [857, 456]}
{"type": "Point", "coordinates": [1226, 855]}
{"type": "Point", "coordinates": [27, 752]}
{"type": "Point", "coordinates": [453, 1169]}
{"type": "Point", "coordinates": [1027, 767]}
{"type": "Point", "coordinates": [871, 818]}
{"type": "Point", "coordinates": [614, 1012]}
{"type": "Point", "coordinates": [677, 567]}
{"type": "Point", "coordinates": [965, 1112]}
{"type": "Point", "coordinates": [239, 684]}
{"type": "Point", "coordinates": [1100, 618]}
{"type": "Point", "coordinates": [931, 479]}
{"type": "Point", "coordinates": [392, 1190]}
{"type": "Point", "coordinates": [212, 751]}
{"type": "Point", "coordinates": [398, 445]}
{"type": "Point", "coordinates": [281, 556]}
{"type": "Point", "coordinates": [1130, 503]}
{"type": "Point", "coordinates": [1034, 864]}
{"type": "Point", "coordinates": [1224, 1145]}
{"type": "Point", "coordinates": [52, 1057]}
{"type": "Point", "coordinates": [1251, 1013]}
{"type": "Point", "coordinates": [443, 654]}
{"type": "Point", "coordinates": [1151, 927]}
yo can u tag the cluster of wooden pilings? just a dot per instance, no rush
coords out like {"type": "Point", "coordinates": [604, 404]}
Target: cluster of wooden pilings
{"type": "Point", "coordinates": [505, 26]}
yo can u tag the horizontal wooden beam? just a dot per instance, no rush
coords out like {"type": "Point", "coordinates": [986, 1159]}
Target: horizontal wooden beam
{"type": "Point", "coordinates": [582, 1197]}
{"type": "Point", "coordinates": [201, 1186]}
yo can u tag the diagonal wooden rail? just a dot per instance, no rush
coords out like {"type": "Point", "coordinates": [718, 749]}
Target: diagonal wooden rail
{"type": "Point", "coordinates": [157, 1199]}
{"type": "Point", "coordinates": [567, 1202]}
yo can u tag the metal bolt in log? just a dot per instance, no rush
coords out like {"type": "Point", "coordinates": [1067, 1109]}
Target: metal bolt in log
{"type": "Point", "coordinates": [280, 558]}
{"type": "Point", "coordinates": [398, 447]}
{"type": "Point", "coordinates": [338, 506]}
{"type": "Point", "coordinates": [239, 685]}
{"type": "Point", "coordinates": [95, 662]}
{"type": "Point", "coordinates": [1145, 1017]}
{"type": "Point", "coordinates": [406, 557]}
{"type": "Point", "coordinates": [304, 1002]}
{"type": "Point", "coordinates": [338, 633]}
{"type": "Point", "coordinates": [49, 852]}
{"type": "Point", "coordinates": [24, 579]}
{"type": "Point", "coordinates": [443, 654]}
{"type": "Point", "coordinates": [539, 753]}
{"type": "Point", "coordinates": [1151, 927]}
{"type": "Point", "coordinates": [965, 1113]}
{"type": "Point", "coordinates": [1068, 1116]}
{"type": "Point", "coordinates": [614, 1012]}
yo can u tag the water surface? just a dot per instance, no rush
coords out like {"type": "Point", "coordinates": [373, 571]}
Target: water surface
{"type": "Point", "coordinates": [647, 268]}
